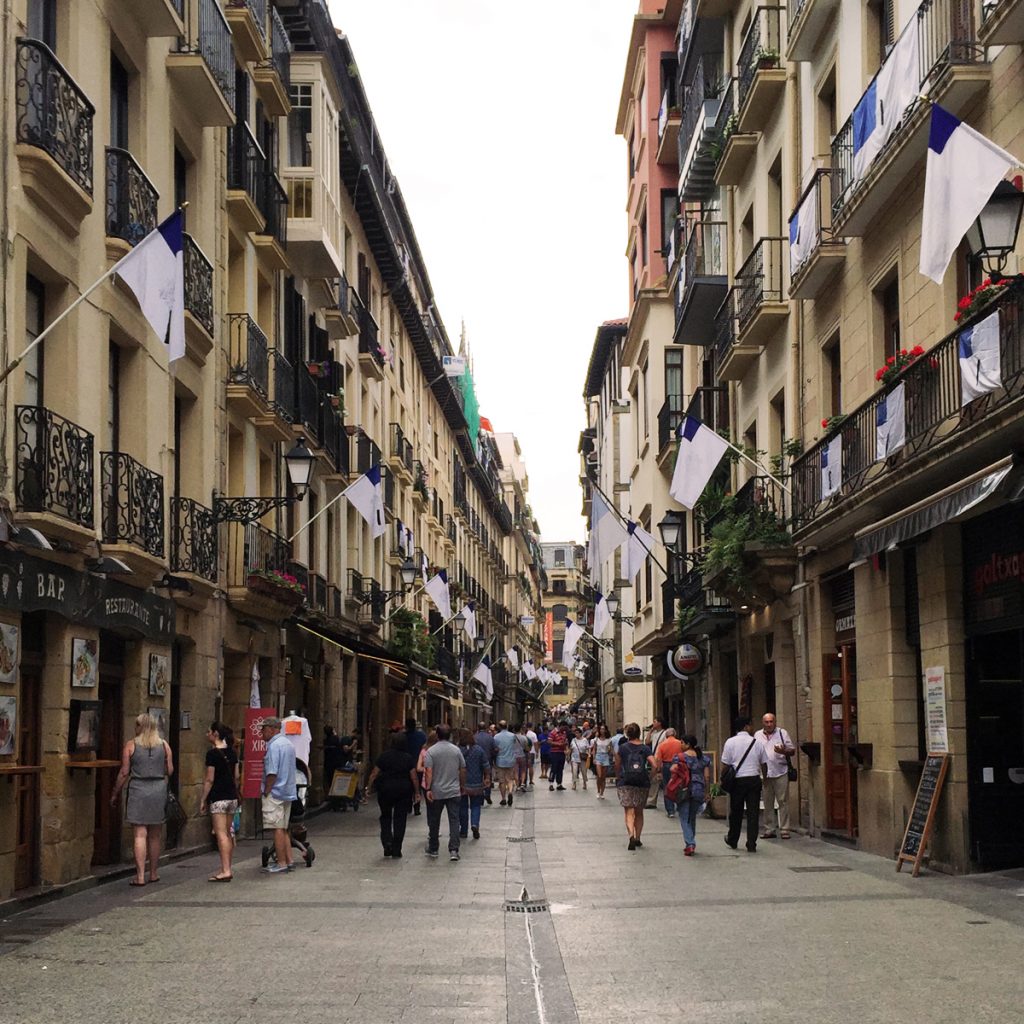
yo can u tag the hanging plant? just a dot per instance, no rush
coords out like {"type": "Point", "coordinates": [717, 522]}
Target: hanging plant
{"type": "Point", "coordinates": [981, 296]}
{"type": "Point", "coordinates": [897, 363]}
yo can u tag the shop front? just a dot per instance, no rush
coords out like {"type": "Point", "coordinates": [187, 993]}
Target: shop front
{"type": "Point", "coordinates": [839, 700]}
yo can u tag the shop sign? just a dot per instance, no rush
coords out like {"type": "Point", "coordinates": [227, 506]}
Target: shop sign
{"type": "Point", "coordinates": [527, 620]}
{"type": "Point", "coordinates": [30, 584]}
{"type": "Point", "coordinates": [935, 709]}
{"type": "Point", "coordinates": [549, 636]}
{"type": "Point", "coordinates": [254, 753]}
{"type": "Point", "coordinates": [846, 623]}
{"type": "Point", "coordinates": [632, 665]}
{"type": "Point", "coordinates": [685, 660]}
{"type": "Point", "coordinates": [993, 547]}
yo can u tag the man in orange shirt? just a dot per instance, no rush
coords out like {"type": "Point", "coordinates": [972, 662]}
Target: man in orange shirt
{"type": "Point", "coordinates": [670, 747]}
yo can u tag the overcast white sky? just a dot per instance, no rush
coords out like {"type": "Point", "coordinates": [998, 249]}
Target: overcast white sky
{"type": "Point", "coordinates": [499, 121]}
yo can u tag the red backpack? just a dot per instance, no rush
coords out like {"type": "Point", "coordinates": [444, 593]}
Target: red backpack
{"type": "Point", "coordinates": [678, 788]}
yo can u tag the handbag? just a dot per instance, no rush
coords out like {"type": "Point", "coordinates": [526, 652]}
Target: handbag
{"type": "Point", "coordinates": [728, 779]}
{"type": "Point", "coordinates": [174, 813]}
{"type": "Point", "coordinates": [791, 772]}
{"type": "Point", "coordinates": [675, 790]}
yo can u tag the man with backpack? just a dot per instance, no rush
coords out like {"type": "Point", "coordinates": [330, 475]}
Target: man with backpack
{"type": "Point", "coordinates": [633, 763]}
{"type": "Point", "coordinates": [744, 764]}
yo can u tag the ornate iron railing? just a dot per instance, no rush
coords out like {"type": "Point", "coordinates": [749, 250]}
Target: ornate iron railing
{"type": "Point", "coordinates": [318, 592]}
{"type": "Point", "coordinates": [198, 284]}
{"type": "Point", "coordinates": [369, 335]}
{"type": "Point", "coordinates": [344, 297]}
{"type": "Point", "coordinates": [333, 437]}
{"type": "Point", "coordinates": [131, 198]}
{"type": "Point", "coordinates": [213, 43]}
{"type": "Point", "coordinates": [248, 354]}
{"type": "Point", "coordinates": [258, 9]}
{"type": "Point", "coordinates": [813, 217]}
{"type": "Point", "coordinates": [246, 162]}
{"type": "Point", "coordinates": [387, 486]}
{"type": "Point", "coordinates": [367, 453]}
{"type": "Point", "coordinates": [193, 539]}
{"type": "Point", "coordinates": [254, 548]}
{"type": "Point", "coordinates": [307, 400]}
{"type": "Point", "coordinates": [669, 417]}
{"type": "Point", "coordinates": [133, 503]}
{"type": "Point", "coordinates": [933, 411]}
{"type": "Point", "coordinates": [401, 447]}
{"type": "Point", "coordinates": [725, 122]}
{"type": "Point", "coordinates": [725, 328]}
{"type": "Point", "coordinates": [761, 48]}
{"type": "Point", "coordinates": [710, 405]}
{"type": "Point", "coordinates": [706, 84]}
{"type": "Point", "coordinates": [693, 594]}
{"type": "Point", "coordinates": [793, 15]}
{"type": "Point", "coordinates": [53, 465]}
{"type": "Point", "coordinates": [52, 112]}
{"type": "Point", "coordinates": [272, 201]}
{"type": "Point", "coordinates": [280, 49]}
{"type": "Point", "coordinates": [282, 399]}
{"type": "Point", "coordinates": [761, 279]}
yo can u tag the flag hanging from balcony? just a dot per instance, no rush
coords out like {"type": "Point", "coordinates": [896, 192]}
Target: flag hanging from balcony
{"type": "Point", "coordinates": [437, 590]}
{"type": "Point", "coordinates": [469, 611]}
{"type": "Point", "coordinates": [400, 536]}
{"type": "Point", "coordinates": [529, 670]}
{"type": "Point", "coordinates": [482, 674]}
{"type": "Point", "coordinates": [366, 498]}
{"type": "Point", "coordinates": [254, 685]}
{"type": "Point", "coordinates": [410, 546]}
{"type": "Point", "coordinates": [980, 369]}
{"type": "Point", "coordinates": [155, 272]}
{"type": "Point", "coordinates": [963, 170]}
{"type": "Point", "coordinates": [423, 568]}
{"type": "Point", "coordinates": [513, 657]}
{"type": "Point", "coordinates": [602, 617]}
{"type": "Point", "coordinates": [700, 451]}
{"type": "Point", "coordinates": [891, 422]}
{"type": "Point", "coordinates": [635, 549]}
{"type": "Point", "coordinates": [573, 632]}
{"type": "Point", "coordinates": [881, 108]}
{"type": "Point", "coordinates": [606, 534]}
{"type": "Point", "coordinates": [832, 467]}
{"type": "Point", "coordinates": [803, 231]}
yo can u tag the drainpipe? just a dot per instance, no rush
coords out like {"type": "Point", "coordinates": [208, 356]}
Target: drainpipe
{"type": "Point", "coordinates": [6, 242]}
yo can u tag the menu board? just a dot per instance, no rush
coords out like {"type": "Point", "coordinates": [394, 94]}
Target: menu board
{"type": "Point", "coordinates": [922, 815]}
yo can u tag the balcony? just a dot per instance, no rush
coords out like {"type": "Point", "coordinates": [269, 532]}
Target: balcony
{"type": "Point", "coordinates": [420, 490]}
{"type": "Point", "coordinates": [53, 474]}
{"type": "Point", "coordinates": [710, 405]}
{"type": "Point", "coordinates": [371, 355]}
{"type": "Point", "coordinates": [698, 136]}
{"type": "Point", "coordinates": [668, 129]}
{"type": "Point", "coordinates": [272, 77]}
{"type": "Point", "coordinates": [53, 136]}
{"type": "Point", "coordinates": [732, 359]}
{"type": "Point", "coordinates": [282, 395]}
{"type": "Point", "coordinates": [158, 19]}
{"type": "Point", "coordinates": [702, 282]}
{"type": "Point", "coordinates": [272, 240]}
{"type": "Point", "coordinates": [400, 453]}
{"type": "Point", "coordinates": [367, 453]}
{"type": "Point", "coordinates": [806, 22]}
{"type": "Point", "coordinates": [318, 593]}
{"type": "Point", "coordinates": [735, 148]}
{"type": "Point", "coordinates": [670, 415]}
{"type": "Point", "coordinates": [247, 166]}
{"type": "Point", "coordinates": [954, 74]}
{"type": "Point", "coordinates": [815, 252]}
{"type": "Point", "coordinates": [333, 441]}
{"type": "Point", "coordinates": [697, 35]}
{"type": "Point", "coordinates": [1002, 23]}
{"type": "Point", "coordinates": [940, 427]}
{"type": "Point", "coordinates": [248, 383]}
{"type": "Point", "coordinates": [761, 77]}
{"type": "Point", "coordinates": [133, 513]}
{"type": "Point", "coordinates": [307, 403]}
{"type": "Point", "coordinates": [257, 558]}
{"type": "Point", "coordinates": [202, 69]}
{"type": "Point", "coordinates": [193, 541]}
{"type": "Point", "coordinates": [339, 316]}
{"type": "Point", "coordinates": [713, 8]}
{"type": "Point", "coordinates": [761, 297]}
{"type": "Point", "coordinates": [198, 301]}
{"type": "Point", "coordinates": [387, 487]}
{"type": "Point", "coordinates": [366, 595]}
{"type": "Point", "coordinates": [248, 21]}
{"type": "Point", "coordinates": [131, 203]}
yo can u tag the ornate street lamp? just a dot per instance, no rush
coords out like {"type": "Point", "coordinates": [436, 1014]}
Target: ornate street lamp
{"type": "Point", "coordinates": [299, 462]}
{"type": "Point", "coordinates": [612, 601]}
{"type": "Point", "coordinates": [671, 528]}
{"type": "Point", "coordinates": [993, 235]}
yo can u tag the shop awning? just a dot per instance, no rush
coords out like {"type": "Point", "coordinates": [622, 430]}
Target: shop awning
{"type": "Point", "coordinates": [1001, 482]}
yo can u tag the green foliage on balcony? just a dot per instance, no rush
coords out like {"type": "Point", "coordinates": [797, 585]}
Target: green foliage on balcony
{"type": "Point", "coordinates": [411, 639]}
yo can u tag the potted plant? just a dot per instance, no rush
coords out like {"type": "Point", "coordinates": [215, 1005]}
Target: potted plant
{"type": "Point", "coordinates": [716, 802]}
{"type": "Point", "coordinates": [766, 57]}
{"type": "Point", "coordinates": [831, 422]}
{"type": "Point", "coordinates": [897, 363]}
{"type": "Point", "coordinates": [979, 297]}
{"type": "Point", "coordinates": [318, 368]}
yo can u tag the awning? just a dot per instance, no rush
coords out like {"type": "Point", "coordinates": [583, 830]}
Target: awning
{"type": "Point", "coordinates": [1001, 482]}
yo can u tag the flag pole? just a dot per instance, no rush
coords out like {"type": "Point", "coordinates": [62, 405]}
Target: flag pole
{"type": "Point", "coordinates": [309, 522]}
{"type": "Point", "coordinates": [757, 465]}
{"type": "Point", "coordinates": [405, 600]}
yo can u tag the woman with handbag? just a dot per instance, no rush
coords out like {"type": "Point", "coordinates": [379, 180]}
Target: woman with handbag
{"type": "Point", "coordinates": [478, 782]}
{"type": "Point", "coordinates": [146, 764]}
{"type": "Point", "coordinates": [220, 794]}
{"type": "Point", "coordinates": [690, 799]}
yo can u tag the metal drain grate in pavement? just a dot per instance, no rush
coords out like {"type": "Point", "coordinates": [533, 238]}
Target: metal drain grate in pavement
{"type": "Point", "coordinates": [520, 839]}
{"type": "Point", "coordinates": [526, 906]}
{"type": "Point", "coordinates": [821, 868]}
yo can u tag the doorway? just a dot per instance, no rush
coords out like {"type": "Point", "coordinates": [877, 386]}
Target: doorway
{"type": "Point", "coordinates": [107, 827]}
{"type": "Point", "coordinates": [995, 749]}
{"type": "Point", "coordinates": [26, 787]}
{"type": "Point", "coordinates": [840, 703]}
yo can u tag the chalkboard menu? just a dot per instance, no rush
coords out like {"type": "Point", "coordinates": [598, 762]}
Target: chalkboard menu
{"type": "Point", "coordinates": [922, 815]}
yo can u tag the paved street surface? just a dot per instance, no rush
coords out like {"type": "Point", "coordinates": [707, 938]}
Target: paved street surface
{"type": "Point", "coordinates": [800, 932]}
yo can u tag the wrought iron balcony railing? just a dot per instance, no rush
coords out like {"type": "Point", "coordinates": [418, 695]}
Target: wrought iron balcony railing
{"type": "Point", "coordinates": [53, 465]}
{"type": "Point", "coordinates": [307, 400]}
{"type": "Point", "coordinates": [247, 164]}
{"type": "Point", "coordinates": [133, 503]}
{"type": "Point", "coordinates": [193, 539]}
{"type": "Point", "coordinates": [761, 48]}
{"type": "Point", "coordinates": [669, 417]}
{"type": "Point", "coordinates": [710, 405]}
{"type": "Point", "coordinates": [52, 112]}
{"type": "Point", "coordinates": [367, 453]}
{"type": "Point", "coordinates": [258, 10]}
{"type": "Point", "coordinates": [272, 201]}
{"type": "Point", "coordinates": [369, 335]}
{"type": "Point", "coordinates": [249, 359]}
{"type": "Point", "coordinates": [761, 279]}
{"type": "Point", "coordinates": [282, 373]}
{"type": "Point", "coordinates": [333, 437]}
{"type": "Point", "coordinates": [198, 284]}
{"type": "Point", "coordinates": [812, 220]}
{"type": "Point", "coordinates": [706, 84]}
{"type": "Point", "coordinates": [725, 328]}
{"type": "Point", "coordinates": [131, 198]}
{"type": "Point", "coordinates": [213, 43]}
{"type": "Point", "coordinates": [254, 549]}
{"type": "Point", "coordinates": [280, 49]}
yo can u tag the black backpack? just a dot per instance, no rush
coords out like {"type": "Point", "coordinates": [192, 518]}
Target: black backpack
{"type": "Point", "coordinates": [634, 766]}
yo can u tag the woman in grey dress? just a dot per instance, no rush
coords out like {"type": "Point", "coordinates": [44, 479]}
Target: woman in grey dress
{"type": "Point", "coordinates": [146, 764]}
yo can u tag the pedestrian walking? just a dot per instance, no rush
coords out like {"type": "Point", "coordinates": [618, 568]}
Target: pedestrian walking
{"type": "Point", "coordinates": [444, 782]}
{"type": "Point", "coordinates": [220, 794]}
{"type": "Point", "coordinates": [558, 740]}
{"type": "Point", "coordinates": [668, 750]}
{"type": "Point", "coordinates": [431, 740]}
{"type": "Point", "coordinates": [415, 741]}
{"type": "Point", "coordinates": [579, 757]}
{"type": "Point", "coordinates": [478, 782]}
{"type": "Point", "coordinates": [485, 741]}
{"type": "Point", "coordinates": [522, 753]}
{"type": "Point", "coordinates": [655, 735]}
{"type": "Point", "coordinates": [745, 755]}
{"type": "Point", "coordinates": [545, 753]}
{"type": "Point", "coordinates": [633, 763]}
{"type": "Point", "coordinates": [146, 765]}
{"type": "Point", "coordinates": [531, 756]}
{"type": "Point", "coordinates": [396, 783]}
{"type": "Point", "coordinates": [505, 746]}
{"type": "Point", "coordinates": [278, 791]}
{"type": "Point", "coordinates": [603, 754]}
{"type": "Point", "coordinates": [778, 749]}
{"type": "Point", "coordinates": [698, 765]}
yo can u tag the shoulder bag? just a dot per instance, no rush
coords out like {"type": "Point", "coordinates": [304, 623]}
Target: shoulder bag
{"type": "Point", "coordinates": [728, 780]}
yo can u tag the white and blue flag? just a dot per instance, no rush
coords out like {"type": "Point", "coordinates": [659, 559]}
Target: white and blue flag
{"type": "Point", "coordinates": [803, 232]}
{"type": "Point", "coordinates": [606, 534]}
{"type": "Point", "coordinates": [469, 613]}
{"type": "Point", "coordinates": [963, 170]}
{"type": "Point", "coordinates": [155, 272]}
{"type": "Point", "coordinates": [513, 657]}
{"type": "Point", "coordinates": [602, 617]}
{"type": "Point", "coordinates": [980, 367]}
{"type": "Point", "coordinates": [635, 549]}
{"type": "Point", "coordinates": [573, 632]}
{"type": "Point", "coordinates": [832, 467]}
{"type": "Point", "coordinates": [891, 422]}
{"type": "Point", "coordinates": [366, 497]}
{"type": "Point", "coordinates": [437, 590]}
{"type": "Point", "coordinates": [700, 451]}
{"type": "Point", "coordinates": [482, 674]}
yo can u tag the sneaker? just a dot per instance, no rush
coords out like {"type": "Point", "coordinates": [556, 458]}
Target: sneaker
{"type": "Point", "coordinates": [431, 853]}
{"type": "Point", "coordinates": [387, 851]}
{"type": "Point", "coordinates": [504, 802]}
{"type": "Point", "coordinates": [454, 855]}
{"type": "Point", "coordinates": [552, 788]}
{"type": "Point", "coordinates": [275, 869]}
{"type": "Point", "coordinates": [751, 849]}
{"type": "Point", "coordinates": [732, 846]}
{"type": "Point", "coordinates": [476, 832]}
{"type": "Point", "coordinates": [632, 844]}
{"type": "Point", "coordinates": [688, 851]}
{"type": "Point", "coordinates": [510, 799]}
{"type": "Point", "coordinates": [290, 867]}
{"type": "Point", "coordinates": [561, 789]}
{"type": "Point", "coordinates": [396, 854]}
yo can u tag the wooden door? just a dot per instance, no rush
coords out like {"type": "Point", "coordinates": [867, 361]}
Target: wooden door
{"type": "Point", "coordinates": [107, 833]}
{"type": "Point", "coordinates": [26, 787]}
{"type": "Point", "coordinates": [840, 703]}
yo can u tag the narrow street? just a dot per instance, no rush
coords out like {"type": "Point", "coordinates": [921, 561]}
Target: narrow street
{"type": "Point", "coordinates": [801, 931]}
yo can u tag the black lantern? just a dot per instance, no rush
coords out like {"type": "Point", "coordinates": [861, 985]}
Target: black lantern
{"type": "Point", "coordinates": [612, 601]}
{"type": "Point", "coordinates": [671, 528]}
{"type": "Point", "coordinates": [300, 461]}
{"type": "Point", "coordinates": [408, 573]}
{"type": "Point", "coordinates": [993, 235]}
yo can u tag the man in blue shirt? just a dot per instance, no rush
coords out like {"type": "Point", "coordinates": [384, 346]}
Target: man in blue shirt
{"type": "Point", "coordinates": [485, 741]}
{"type": "Point", "coordinates": [505, 762]}
{"type": "Point", "coordinates": [278, 791]}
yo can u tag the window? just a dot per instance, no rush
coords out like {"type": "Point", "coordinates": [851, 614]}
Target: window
{"type": "Point", "coordinates": [42, 22]}
{"type": "Point", "coordinates": [881, 28]}
{"type": "Point", "coordinates": [774, 200]}
{"type": "Point", "coordinates": [558, 587]}
{"type": "Point", "coordinates": [114, 398]}
{"type": "Point", "coordinates": [118, 104]}
{"type": "Point", "coordinates": [643, 239]}
{"type": "Point", "coordinates": [826, 114]}
{"type": "Point", "coordinates": [674, 376]}
{"type": "Point", "coordinates": [669, 209]}
{"type": "Point", "coordinates": [557, 646]}
{"type": "Point", "coordinates": [559, 612]}
{"type": "Point", "coordinates": [313, 533]}
{"type": "Point", "coordinates": [300, 126]}
{"type": "Point", "coordinates": [888, 298]}
{"type": "Point", "coordinates": [777, 441]}
{"type": "Point", "coordinates": [646, 401]}
{"type": "Point", "coordinates": [669, 73]}
{"type": "Point", "coordinates": [832, 399]}
{"type": "Point", "coordinates": [632, 159]}
{"type": "Point", "coordinates": [559, 556]}
{"type": "Point", "coordinates": [35, 314]}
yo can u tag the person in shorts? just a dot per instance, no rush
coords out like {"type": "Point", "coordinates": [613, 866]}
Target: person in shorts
{"type": "Point", "coordinates": [220, 794]}
{"type": "Point", "coordinates": [278, 791]}
{"type": "Point", "coordinates": [506, 748]}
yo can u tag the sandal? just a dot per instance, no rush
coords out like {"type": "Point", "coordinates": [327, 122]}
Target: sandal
{"type": "Point", "coordinates": [136, 885]}
{"type": "Point", "coordinates": [785, 835]}
{"type": "Point", "coordinates": [220, 878]}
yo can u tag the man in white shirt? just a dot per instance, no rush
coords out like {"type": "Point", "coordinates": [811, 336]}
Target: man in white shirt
{"type": "Point", "coordinates": [778, 748]}
{"type": "Point", "coordinates": [747, 756]}
{"type": "Point", "coordinates": [531, 756]}
{"type": "Point", "coordinates": [654, 737]}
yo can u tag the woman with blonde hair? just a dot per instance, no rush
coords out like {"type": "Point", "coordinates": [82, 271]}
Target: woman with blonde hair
{"type": "Point", "coordinates": [146, 764]}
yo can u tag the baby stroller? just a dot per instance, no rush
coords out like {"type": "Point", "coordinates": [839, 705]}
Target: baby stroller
{"type": "Point", "coordinates": [350, 771]}
{"type": "Point", "coordinates": [296, 824]}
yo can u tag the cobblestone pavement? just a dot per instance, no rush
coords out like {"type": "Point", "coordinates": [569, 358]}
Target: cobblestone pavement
{"type": "Point", "coordinates": [547, 919]}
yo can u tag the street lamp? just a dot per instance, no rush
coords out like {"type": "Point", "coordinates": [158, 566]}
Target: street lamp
{"type": "Point", "coordinates": [481, 643]}
{"type": "Point", "coordinates": [612, 601]}
{"type": "Point", "coordinates": [408, 573]}
{"type": "Point", "coordinates": [460, 622]}
{"type": "Point", "coordinates": [671, 528]}
{"type": "Point", "coordinates": [299, 462]}
{"type": "Point", "coordinates": [993, 235]}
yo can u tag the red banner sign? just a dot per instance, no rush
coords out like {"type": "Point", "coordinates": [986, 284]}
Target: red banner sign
{"type": "Point", "coordinates": [549, 635]}
{"type": "Point", "coordinates": [255, 751]}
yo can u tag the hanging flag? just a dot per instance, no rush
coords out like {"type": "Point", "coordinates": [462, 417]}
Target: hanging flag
{"type": "Point", "coordinates": [437, 590]}
{"type": "Point", "coordinates": [423, 568]}
{"type": "Point", "coordinates": [980, 368]}
{"type": "Point", "coordinates": [530, 670]}
{"type": "Point", "coordinates": [635, 549]}
{"type": "Point", "coordinates": [962, 172]}
{"type": "Point", "coordinates": [399, 536]}
{"type": "Point", "coordinates": [881, 108]}
{"type": "Point", "coordinates": [482, 673]}
{"type": "Point", "coordinates": [366, 498]}
{"type": "Point", "coordinates": [602, 617]}
{"type": "Point", "coordinates": [832, 467]}
{"type": "Point", "coordinates": [606, 534]}
{"type": "Point", "coordinates": [891, 422]}
{"type": "Point", "coordinates": [410, 545]}
{"type": "Point", "coordinates": [513, 657]}
{"type": "Point", "coordinates": [573, 632]}
{"type": "Point", "coordinates": [469, 611]}
{"type": "Point", "coordinates": [700, 451]}
{"type": "Point", "coordinates": [155, 272]}
{"type": "Point", "coordinates": [254, 684]}
{"type": "Point", "coordinates": [803, 232]}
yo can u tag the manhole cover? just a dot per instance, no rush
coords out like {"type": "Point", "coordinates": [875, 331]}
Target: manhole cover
{"type": "Point", "coordinates": [520, 839]}
{"type": "Point", "coordinates": [977, 922]}
{"type": "Point", "coordinates": [526, 906]}
{"type": "Point", "coordinates": [821, 868]}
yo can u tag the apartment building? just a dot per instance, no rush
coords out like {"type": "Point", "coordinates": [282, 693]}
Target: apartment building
{"type": "Point", "coordinates": [154, 554]}
{"type": "Point", "coordinates": [566, 597]}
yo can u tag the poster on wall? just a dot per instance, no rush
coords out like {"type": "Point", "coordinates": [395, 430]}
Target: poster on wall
{"type": "Point", "coordinates": [84, 726]}
{"type": "Point", "coordinates": [8, 724]}
{"type": "Point", "coordinates": [254, 752]}
{"type": "Point", "coordinates": [8, 652]}
{"type": "Point", "coordinates": [549, 636]}
{"type": "Point", "coordinates": [84, 662]}
{"type": "Point", "coordinates": [159, 675]}
{"type": "Point", "coordinates": [159, 715]}
{"type": "Point", "coordinates": [935, 709]}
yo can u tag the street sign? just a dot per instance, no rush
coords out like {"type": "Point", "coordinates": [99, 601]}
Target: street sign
{"type": "Point", "coordinates": [454, 366]}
